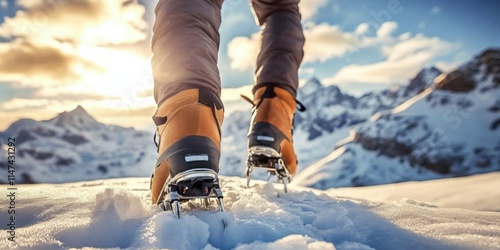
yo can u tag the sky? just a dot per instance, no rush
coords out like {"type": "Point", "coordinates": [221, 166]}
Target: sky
{"type": "Point", "coordinates": [57, 54]}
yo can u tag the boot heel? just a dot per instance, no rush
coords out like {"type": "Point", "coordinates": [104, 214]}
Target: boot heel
{"type": "Point", "coordinates": [191, 152]}
{"type": "Point", "coordinates": [264, 134]}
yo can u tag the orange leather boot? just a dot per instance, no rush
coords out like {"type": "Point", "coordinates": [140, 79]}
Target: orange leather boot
{"type": "Point", "coordinates": [188, 128]}
{"type": "Point", "coordinates": [270, 142]}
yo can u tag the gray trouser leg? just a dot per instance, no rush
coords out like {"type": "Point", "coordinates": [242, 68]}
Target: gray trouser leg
{"type": "Point", "coordinates": [282, 43]}
{"type": "Point", "coordinates": [186, 42]}
{"type": "Point", "coordinates": [185, 46]}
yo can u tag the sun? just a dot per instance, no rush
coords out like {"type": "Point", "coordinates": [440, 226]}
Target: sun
{"type": "Point", "coordinates": [124, 73]}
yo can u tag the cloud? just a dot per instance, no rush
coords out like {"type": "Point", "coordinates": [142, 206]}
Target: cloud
{"type": "Point", "coordinates": [243, 51]}
{"type": "Point", "coordinates": [422, 24]}
{"type": "Point", "coordinates": [323, 42]}
{"type": "Point", "coordinates": [233, 94]}
{"type": "Point", "coordinates": [362, 29]}
{"type": "Point", "coordinates": [22, 103]}
{"type": "Point", "coordinates": [412, 46]}
{"type": "Point", "coordinates": [447, 67]}
{"type": "Point", "coordinates": [309, 8]}
{"type": "Point", "coordinates": [404, 54]}
{"type": "Point", "coordinates": [366, 36]}
{"type": "Point", "coordinates": [138, 117]}
{"type": "Point", "coordinates": [79, 21]}
{"type": "Point", "coordinates": [309, 71]}
{"type": "Point", "coordinates": [435, 10]}
{"type": "Point", "coordinates": [58, 45]}
{"type": "Point", "coordinates": [45, 63]}
{"type": "Point", "coordinates": [403, 60]}
{"type": "Point", "coordinates": [76, 52]}
{"type": "Point", "coordinates": [386, 29]}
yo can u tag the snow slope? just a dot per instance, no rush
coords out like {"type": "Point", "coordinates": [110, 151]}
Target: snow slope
{"type": "Point", "coordinates": [329, 116]}
{"type": "Point", "coordinates": [448, 130]}
{"type": "Point", "coordinates": [115, 213]}
{"type": "Point", "coordinates": [477, 192]}
{"type": "Point", "coordinates": [73, 146]}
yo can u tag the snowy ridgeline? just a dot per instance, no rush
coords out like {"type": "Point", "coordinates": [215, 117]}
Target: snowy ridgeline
{"type": "Point", "coordinates": [427, 129]}
{"type": "Point", "coordinates": [417, 131]}
{"type": "Point", "coordinates": [449, 129]}
{"type": "Point", "coordinates": [73, 146]}
{"type": "Point", "coordinates": [116, 213]}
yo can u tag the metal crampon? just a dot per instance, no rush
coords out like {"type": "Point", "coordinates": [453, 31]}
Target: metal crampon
{"type": "Point", "coordinates": [202, 184]}
{"type": "Point", "coordinates": [270, 160]}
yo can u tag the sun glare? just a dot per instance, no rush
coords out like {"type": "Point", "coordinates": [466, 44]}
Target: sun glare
{"type": "Point", "coordinates": [125, 74]}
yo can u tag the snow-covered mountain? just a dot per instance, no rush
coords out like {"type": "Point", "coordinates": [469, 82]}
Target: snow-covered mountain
{"type": "Point", "coordinates": [415, 131]}
{"type": "Point", "coordinates": [450, 129]}
{"type": "Point", "coordinates": [117, 214]}
{"type": "Point", "coordinates": [330, 115]}
{"type": "Point", "coordinates": [330, 109]}
{"type": "Point", "coordinates": [74, 146]}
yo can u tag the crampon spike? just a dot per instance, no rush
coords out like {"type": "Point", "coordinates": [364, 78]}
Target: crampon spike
{"type": "Point", "coordinates": [270, 160]}
{"type": "Point", "coordinates": [189, 185]}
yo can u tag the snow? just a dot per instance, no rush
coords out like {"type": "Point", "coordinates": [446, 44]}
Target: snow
{"type": "Point", "coordinates": [308, 153]}
{"type": "Point", "coordinates": [352, 165]}
{"type": "Point", "coordinates": [464, 114]}
{"type": "Point", "coordinates": [73, 146]}
{"type": "Point", "coordinates": [459, 213]}
{"type": "Point", "coordinates": [116, 213]}
{"type": "Point", "coordinates": [477, 192]}
{"type": "Point", "coordinates": [438, 133]}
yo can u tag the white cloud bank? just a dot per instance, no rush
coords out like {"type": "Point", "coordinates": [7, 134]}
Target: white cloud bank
{"type": "Point", "coordinates": [403, 55]}
{"type": "Point", "coordinates": [74, 52]}
{"type": "Point", "coordinates": [78, 21]}
{"type": "Point", "coordinates": [309, 8]}
{"type": "Point", "coordinates": [46, 39]}
{"type": "Point", "coordinates": [243, 51]}
{"type": "Point", "coordinates": [323, 42]}
{"type": "Point", "coordinates": [403, 59]}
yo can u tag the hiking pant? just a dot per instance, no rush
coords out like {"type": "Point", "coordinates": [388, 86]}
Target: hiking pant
{"type": "Point", "coordinates": [186, 42]}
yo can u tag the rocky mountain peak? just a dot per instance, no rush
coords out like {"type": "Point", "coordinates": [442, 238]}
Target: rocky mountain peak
{"type": "Point", "coordinates": [311, 86]}
{"type": "Point", "coordinates": [79, 110]}
{"type": "Point", "coordinates": [486, 64]}
{"type": "Point", "coordinates": [421, 81]}
{"type": "Point", "coordinates": [490, 54]}
{"type": "Point", "coordinates": [78, 118]}
{"type": "Point", "coordinates": [427, 74]}
{"type": "Point", "coordinates": [491, 59]}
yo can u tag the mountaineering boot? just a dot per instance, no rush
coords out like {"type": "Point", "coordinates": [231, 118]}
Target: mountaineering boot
{"type": "Point", "coordinates": [188, 128]}
{"type": "Point", "coordinates": [270, 143]}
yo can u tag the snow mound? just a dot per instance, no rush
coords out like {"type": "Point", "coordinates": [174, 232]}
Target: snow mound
{"type": "Point", "coordinates": [116, 213]}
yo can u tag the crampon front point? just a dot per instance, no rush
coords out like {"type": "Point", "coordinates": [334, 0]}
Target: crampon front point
{"type": "Point", "coordinates": [201, 184]}
{"type": "Point", "coordinates": [269, 159]}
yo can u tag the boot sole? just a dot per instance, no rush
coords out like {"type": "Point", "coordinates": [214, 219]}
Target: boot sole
{"type": "Point", "coordinates": [200, 183]}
